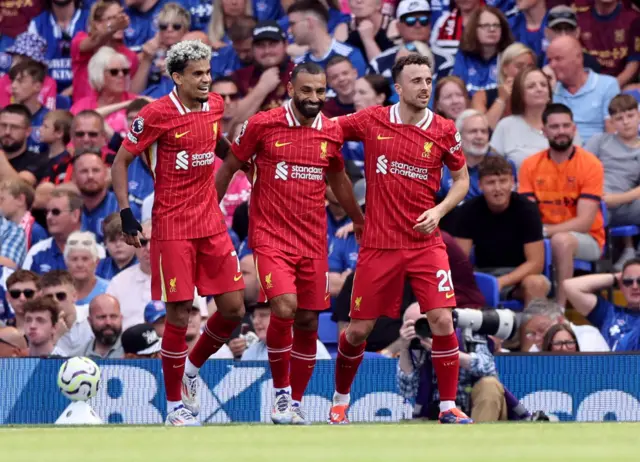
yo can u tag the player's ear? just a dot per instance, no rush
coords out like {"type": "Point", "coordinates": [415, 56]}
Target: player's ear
{"type": "Point", "coordinates": [398, 88]}
{"type": "Point", "coordinates": [290, 89]}
{"type": "Point", "coordinates": [177, 78]}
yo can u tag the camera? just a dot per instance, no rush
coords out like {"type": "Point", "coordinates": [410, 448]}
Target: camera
{"type": "Point", "coordinates": [503, 324]}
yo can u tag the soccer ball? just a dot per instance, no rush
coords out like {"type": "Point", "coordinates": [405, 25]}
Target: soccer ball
{"type": "Point", "coordinates": [79, 379]}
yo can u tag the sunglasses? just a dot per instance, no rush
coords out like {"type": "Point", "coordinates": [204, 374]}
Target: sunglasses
{"type": "Point", "coordinates": [55, 212]}
{"type": "Point", "coordinates": [28, 293]}
{"type": "Point", "coordinates": [115, 72]}
{"type": "Point", "coordinates": [564, 343]}
{"type": "Point", "coordinates": [628, 282]}
{"type": "Point", "coordinates": [174, 26]}
{"type": "Point", "coordinates": [60, 296]}
{"type": "Point", "coordinates": [411, 21]}
{"type": "Point", "coordinates": [75, 242]}
{"type": "Point", "coordinates": [89, 134]}
{"type": "Point", "coordinates": [144, 242]}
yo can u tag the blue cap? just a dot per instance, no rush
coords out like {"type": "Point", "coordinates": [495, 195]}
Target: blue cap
{"type": "Point", "coordinates": [154, 311]}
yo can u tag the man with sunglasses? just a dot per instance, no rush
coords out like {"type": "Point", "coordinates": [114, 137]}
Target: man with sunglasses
{"type": "Point", "coordinates": [22, 286]}
{"type": "Point", "coordinates": [620, 326]}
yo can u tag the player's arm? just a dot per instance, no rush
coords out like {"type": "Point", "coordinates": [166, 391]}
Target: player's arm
{"type": "Point", "coordinates": [242, 149]}
{"type": "Point", "coordinates": [120, 182]}
{"type": "Point", "coordinates": [224, 175]}
{"type": "Point", "coordinates": [343, 190]}
{"type": "Point", "coordinates": [223, 146]}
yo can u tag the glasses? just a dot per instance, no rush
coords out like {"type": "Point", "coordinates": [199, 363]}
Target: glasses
{"type": "Point", "coordinates": [412, 21]}
{"type": "Point", "coordinates": [115, 72]}
{"type": "Point", "coordinates": [28, 293]}
{"type": "Point", "coordinates": [89, 134]}
{"type": "Point", "coordinates": [55, 212]}
{"type": "Point", "coordinates": [74, 242]}
{"type": "Point", "coordinates": [564, 343]}
{"type": "Point", "coordinates": [628, 282]}
{"type": "Point", "coordinates": [60, 296]}
{"type": "Point", "coordinates": [144, 242]}
{"type": "Point", "coordinates": [493, 26]}
{"type": "Point", "coordinates": [174, 26]}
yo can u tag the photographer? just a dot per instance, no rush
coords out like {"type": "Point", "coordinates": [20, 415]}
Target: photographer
{"type": "Point", "coordinates": [480, 393]}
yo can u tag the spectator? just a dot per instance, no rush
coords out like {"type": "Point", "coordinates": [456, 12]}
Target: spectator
{"type": "Point", "coordinates": [223, 16]}
{"type": "Point", "coordinates": [515, 58]}
{"type": "Point", "coordinates": [22, 286]}
{"type": "Point", "coordinates": [88, 134]}
{"type": "Point", "coordinates": [258, 351]}
{"type": "Point", "coordinates": [56, 134]}
{"type": "Point", "coordinates": [341, 78]}
{"type": "Point", "coordinates": [528, 25]}
{"type": "Point", "coordinates": [228, 90]}
{"type": "Point", "coordinates": [450, 97]}
{"type": "Point", "coordinates": [141, 342]}
{"type": "Point", "coordinates": [15, 129]}
{"type": "Point", "coordinates": [308, 20]}
{"type": "Point", "coordinates": [16, 199]}
{"type": "Point", "coordinates": [336, 216]}
{"type": "Point", "coordinates": [27, 79]}
{"type": "Point", "coordinates": [105, 322]}
{"type": "Point", "coordinates": [560, 338]}
{"type": "Point", "coordinates": [263, 84]}
{"type": "Point", "coordinates": [28, 47]}
{"type": "Point", "coordinates": [121, 255]}
{"type": "Point", "coordinates": [368, 30]}
{"type": "Point", "coordinates": [586, 93]}
{"type": "Point", "coordinates": [371, 90]}
{"type": "Point", "coordinates": [194, 329]}
{"type": "Point", "coordinates": [338, 23]}
{"type": "Point", "coordinates": [143, 22]}
{"type": "Point", "coordinates": [74, 328]}
{"type": "Point", "coordinates": [40, 320]}
{"type": "Point", "coordinates": [81, 257]}
{"type": "Point", "coordinates": [106, 25]}
{"type": "Point", "coordinates": [485, 36]}
{"type": "Point", "coordinates": [13, 244]}
{"type": "Point", "coordinates": [619, 154]}
{"type": "Point", "coordinates": [109, 77]}
{"type": "Point", "coordinates": [12, 343]}
{"type": "Point", "coordinates": [480, 393]}
{"type": "Point", "coordinates": [610, 31]}
{"type": "Point", "coordinates": [239, 54]}
{"type": "Point", "coordinates": [154, 314]}
{"type": "Point", "coordinates": [568, 198]}
{"type": "Point", "coordinates": [56, 26]}
{"type": "Point", "coordinates": [249, 273]}
{"type": "Point", "coordinates": [505, 231]}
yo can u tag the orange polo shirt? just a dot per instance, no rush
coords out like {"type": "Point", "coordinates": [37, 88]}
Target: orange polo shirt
{"type": "Point", "coordinates": [558, 187]}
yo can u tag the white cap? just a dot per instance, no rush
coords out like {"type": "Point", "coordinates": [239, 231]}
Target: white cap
{"type": "Point", "coordinates": [412, 6]}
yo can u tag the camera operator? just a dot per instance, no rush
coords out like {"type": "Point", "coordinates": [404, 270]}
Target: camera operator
{"type": "Point", "coordinates": [480, 393]}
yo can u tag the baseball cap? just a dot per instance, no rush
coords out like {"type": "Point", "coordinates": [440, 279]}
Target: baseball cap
{"type": "Point", "coordinates": [359, 191]}
{"type": "Point", "coordinates": [268, 30]}
{"type": "Point", "coordinates": [412, 6]}
{"type": "Point", "coordinates": [140, 339]}
{"type": "Point", "coordinates": [154, 311]}
{"type": "Point", "coordinates": [562, 14]}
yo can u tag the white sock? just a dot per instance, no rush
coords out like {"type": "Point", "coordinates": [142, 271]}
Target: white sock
{"type": "Point", "coordinates": [339, 398]}
{"type": "Point", "coordinates": [296, 403]}
{"type": "Point", "coordinates": [171, 405]}
{"type": "Point", "coordinates": [287, 389]}
{"type": "Point", "coordinates": [446, 405]}
{"type": "Point", "coordinates": [190, 369]}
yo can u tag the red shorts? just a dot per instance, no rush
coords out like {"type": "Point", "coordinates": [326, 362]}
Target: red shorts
{"type": "Point", "coordinates": [283, 273]}
{"type": "Point", "coordinates": [380, 276]}
{"type": "Point", "coordinates": [208, 263]}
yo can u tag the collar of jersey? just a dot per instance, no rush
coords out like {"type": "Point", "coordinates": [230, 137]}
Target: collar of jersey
{"type": "Point", "coordinates": [394, 117]}
{"type": "Point", "coordinates": [182, 109]}
{"type": "Point", "coordinates": [294, 122]}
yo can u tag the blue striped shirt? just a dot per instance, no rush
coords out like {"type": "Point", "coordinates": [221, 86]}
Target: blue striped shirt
{"type": "Point", "coordinates": [13, 243]}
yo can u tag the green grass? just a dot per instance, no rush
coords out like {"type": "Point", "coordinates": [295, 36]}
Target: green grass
{"type": "Point", "coordinates": [323, 443]}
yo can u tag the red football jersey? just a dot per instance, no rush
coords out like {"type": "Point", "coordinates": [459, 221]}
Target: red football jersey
{"type": "Point", "coordinates": [180, 148]}
{"type": "Point", "coordinates": [403, 167]}
{"type": "Point", "coordinates": [287, 208]}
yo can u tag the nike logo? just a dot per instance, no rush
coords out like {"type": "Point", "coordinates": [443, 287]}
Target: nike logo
{"type": "Point", "coordinates": [279, 144]}
{"type": "Point", "coordinates": [178, 366]}
{"type": "Point", "coordinates": [237, 278]}
{"type": "Point", "coordinates": [380, 137]}
{"type": "Point", "coordinates": [275, 360]}
{"type": "Point", "coordinates": [312, 366]}
{"type": "Point", "coordinates": [180, 135]}
{"type": "Point", "coordinates": [449, 295]}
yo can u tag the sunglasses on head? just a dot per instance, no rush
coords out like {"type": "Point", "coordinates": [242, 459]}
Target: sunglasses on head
{"type": "Point", "coordinates": [174, 26]}
{"type": "Point", "coordinates": [75, 242]}
{"type": "Point", "coordinates": [89, 134]}
{"type": "Point", "coordinates": [60, 296]}
{"type": "Point", "coordinates": [413, 20]}
{"type": "Point", "coordinates": [628, 282]}
{"type": "Point", "coordinates": [28, 293]}
{"type": "Point", "coordinates": [115, 72]}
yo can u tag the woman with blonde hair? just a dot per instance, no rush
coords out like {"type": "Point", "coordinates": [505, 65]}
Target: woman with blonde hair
{"type": "Point", "coordinates": [496, 102]}
{"type": "Point", "coordinates": [224, 13]}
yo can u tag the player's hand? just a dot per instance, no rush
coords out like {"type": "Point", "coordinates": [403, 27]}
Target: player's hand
{"type": "Point", "coordinates": [343, 231]}
{"type": "Point", "coordinates": [428, 221]}
{"type": "Point", "coordinates": [358, 231]}
{"type": "Point", "coordinates": [270, 79]}
{"type": "Point", "coordinates": [366, 30]}
{"type": "Point", "coordinates": [131, 229]}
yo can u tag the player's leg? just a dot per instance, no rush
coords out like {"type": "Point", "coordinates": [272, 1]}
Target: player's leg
{"type": "Point", "coordinates": [217, 274]}
{"type": "Point", "coordinates": [172, 272]}
{"type": "Point", "coordinates": [377, 290]}
{"type": "Point", "coordinates": [430, 278]}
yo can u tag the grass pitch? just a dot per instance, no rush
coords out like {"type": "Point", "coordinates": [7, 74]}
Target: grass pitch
{"type": "Point", "coordinates": [323, 443]}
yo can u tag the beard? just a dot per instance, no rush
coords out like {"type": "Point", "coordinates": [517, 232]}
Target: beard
{"type": "Point", "coordinates": [11, 148]}
{"type": "Point", "coordinates": [108, 339]}
{"type": "Point", "coordinates": [475, 151]}
{"type": "Point", "coordinates": [308, 109]}
{"type": "Point", "coordinates": [561, 145]}
{"type": "Point", "coordinates": [90, 191]}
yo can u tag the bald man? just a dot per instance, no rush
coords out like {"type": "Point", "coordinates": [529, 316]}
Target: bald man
{"type": "Point", "coordinates": [585, 92]}
{"type": "Point", "coordinates": [12, 343]}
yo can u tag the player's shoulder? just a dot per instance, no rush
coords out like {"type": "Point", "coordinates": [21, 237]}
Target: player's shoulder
{"type": "Point", "coordinates": [331, 127]}
{"type": "Point", "coordinates": [215, 101]}
{"type": "Point", "coordinates": [158, 109]}
{"type": "Point", "coordinates": [272, 117]}
{"type": "Point", "coordinates": [440, 124]}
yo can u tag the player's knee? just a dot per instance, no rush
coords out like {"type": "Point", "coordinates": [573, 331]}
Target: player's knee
{"type": "Point", "coordinates": [234, 312]}
{"type": "Point", "coordinates": [178, 313]}
{"type": "Point", "coordinates": [284, 306]}
{"type": "Point", "coordinates": [306, 320]}
{"type": "Point", "coordinates": [563, 244]}
{"type": "Point", "coordinates": [440, 321]}
{"type": "Point", "coordinates": [358, 331]}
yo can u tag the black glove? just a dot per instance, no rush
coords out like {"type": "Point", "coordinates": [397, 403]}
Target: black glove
{"type": "Point", "coordinates": [130, 225]}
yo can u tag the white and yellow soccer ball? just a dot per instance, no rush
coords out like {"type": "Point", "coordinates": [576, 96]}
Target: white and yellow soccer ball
{"type": "Point", "coordinates": [79, 379]}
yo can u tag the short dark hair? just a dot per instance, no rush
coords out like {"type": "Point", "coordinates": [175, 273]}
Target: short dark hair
{"type": "Point", "coordinates": [469, 42]}
{"type": "Point", "coordinates": [37, 71]}
{"type": "Point", "coordinates": [75, 200]}
{"type": "Point", "coordinates": [555, 108]}
{"type": "Point", "coordinates": [224, 79]}
{"type": "Point", "coordinates": [628, 263]}
{"type": "Point", "coordinates": [241, 28]}
{"type": "Point", "coordinates": [87, 152]}
{"type": "Point", "coordinates": [88, 113]}
{"type": "Point", "coordinates": [23, 276]}
{"type": "Point", "coordinates": [18, 109]}
{"type": "Point", "coordinates": [494, 165]}
{"type": "Point", "coordinates": [56, 278]}
{"type": "Point", "coordinates": [553, 330]}
{"type": "Point", "coordinates": [306, 68]}
{"type": "Point", "coordinates": [622, 103]}
{"type": "Point", "coordinates": [43, 304]}
{"type": "Point", "coordinates": [337, 59]}
{"type": "Point", "coordinates": [112, 227]}
{"type": "Point", "coordinates": [380, 86]}
{"type": "Point", "coordinates": [310, 6]}
{"type": "Point", "coordinates": [136, 105]}
{"type": "Point", "coordinates": [413, 58]}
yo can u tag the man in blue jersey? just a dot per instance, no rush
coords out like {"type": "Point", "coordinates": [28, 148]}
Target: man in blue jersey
{"type": "Point", "coordinates": [528, 26]}
{"type": "Point", "coordinates": [142, 26]}
{"type": "Point", "coordinates": [308, 21]}
{"type": "Point", "coordinates": [27, 78]}
{"type": "Point", "coordinates": [239, 54]}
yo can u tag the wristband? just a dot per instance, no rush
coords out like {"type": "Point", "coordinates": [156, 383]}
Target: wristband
{"type": "Point", "coordinates": [130, 225]}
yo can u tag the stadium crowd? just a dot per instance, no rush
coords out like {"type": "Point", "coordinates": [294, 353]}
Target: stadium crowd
{"type": "Point", "coordinates": [544, 94]}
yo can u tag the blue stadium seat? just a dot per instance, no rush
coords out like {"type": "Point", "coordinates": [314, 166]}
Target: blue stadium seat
{"type": "Point", "coordinates": [63, 102]}
{"type": "Point", "coordinates": [327, 330]}
{"type": "Point", "coordinates": [488, 285]}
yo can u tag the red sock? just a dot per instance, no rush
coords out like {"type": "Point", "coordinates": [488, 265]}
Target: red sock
{"type": "Point", "coordinates": [347, 363]}
{"type": "Point", "coordinates": [303, 360]}
{"type": "Point", "coordinates": [446, 363]}
{"type": "Point", "coordinates": [279, 341]}
{"type": "Point", "coordinates": [216, 333]}
{"type": "Point", "coordinates": [173, 354]}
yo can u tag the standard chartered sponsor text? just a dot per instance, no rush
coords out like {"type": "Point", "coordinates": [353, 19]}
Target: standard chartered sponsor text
{"type": "Point", "coordinates": [411, 171]}
{"type": "Point", "coordinates": [301, 172]}
{"type": "Point", "coordinates": [199, 160]}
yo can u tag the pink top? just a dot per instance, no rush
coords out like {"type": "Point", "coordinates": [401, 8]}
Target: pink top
{"type": "Point", "coordinates": [80, 61]}
{"type": "Point", "coordinates": [116, 120]}
{"type": "Point", "coordinates": [238, 192]}
{"type": "Point", "coordinates": [47, 95]}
